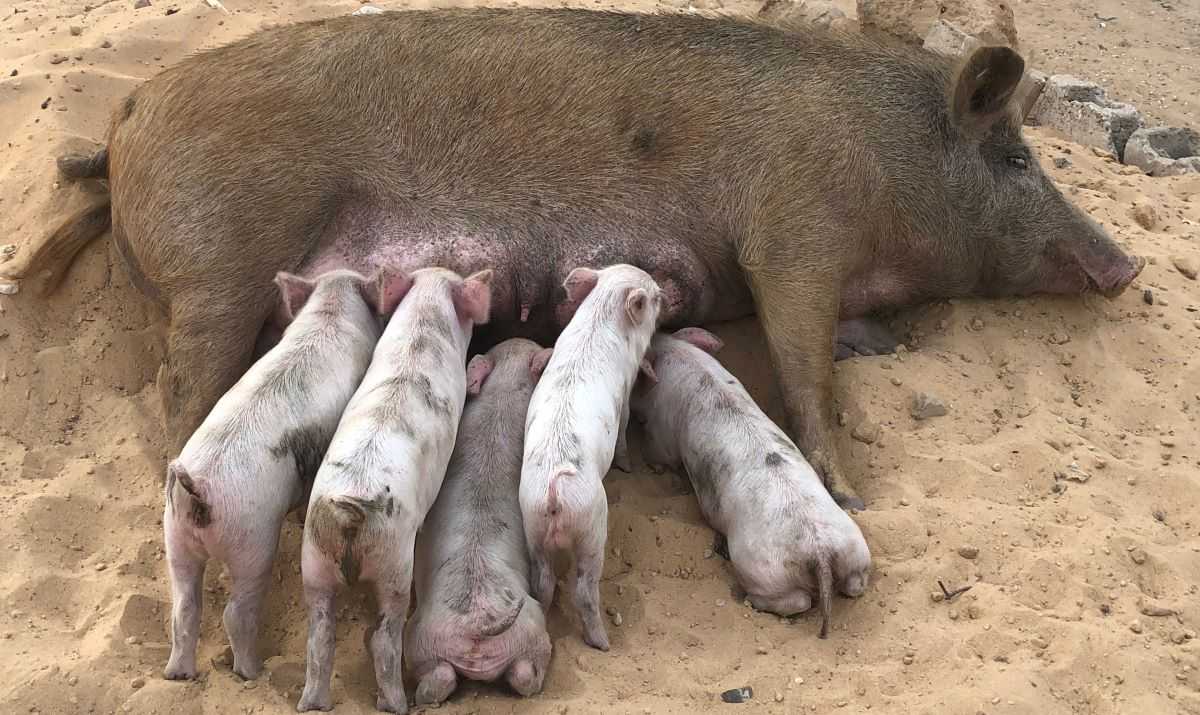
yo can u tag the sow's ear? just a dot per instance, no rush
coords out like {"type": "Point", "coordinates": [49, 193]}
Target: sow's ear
{"type": "Point", "coordinates": [477, 373]}
{"type": "Point", "coordinates": [539, 360]}
{"type": "Point", "coordinates": [701, 338]}
{"type": "Point", "coordinates": [384, 290]}
{"type": "Point", "coordinates": [473, 297]}
{"type": "Point", "coordinates": [294, 292]}
{"type": "Point", "coordinates": [983, 88]}
{"type": "Point", "coordinates": [637, 304]}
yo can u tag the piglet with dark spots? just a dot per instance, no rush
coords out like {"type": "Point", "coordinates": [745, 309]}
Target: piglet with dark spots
{"type": "Point", "coordinates": [475, 617]}
{"type": "Point", "coordinates": [788, 540]}
{"type": "Point", "coordinates": [254, 457]}
{"type": "Point", "coordinates": [383, 471]}
{"type": "Point", "coordinates": [575, 429]}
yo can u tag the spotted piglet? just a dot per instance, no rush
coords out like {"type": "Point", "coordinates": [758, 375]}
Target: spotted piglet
{"type": "Point", "coordinates": [576, 425]}
{"type": "Point", "coordinates": [787, 539]}
{"type": "Point", "coordinates": [383, 471]}
{"type": "Point", "coordinates": [254, 456]}
{"type": "Point", "coordinates": [474, 616]}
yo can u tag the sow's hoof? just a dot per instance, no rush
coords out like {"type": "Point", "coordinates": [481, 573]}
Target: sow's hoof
{"type": "Point", "coordinates": [863, 336]}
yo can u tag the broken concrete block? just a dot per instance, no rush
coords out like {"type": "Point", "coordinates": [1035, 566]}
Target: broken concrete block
{"type": "Point", "coordinates": [814, 12]}
{"type": "Point", "coordinates": [1164, 151]}
{"type": "Point", "coordinates": [991, 21]}
{"type": "Point", "coordinates": [1081, 111]}
{"type": "Point", "coordinates": [948, 39]}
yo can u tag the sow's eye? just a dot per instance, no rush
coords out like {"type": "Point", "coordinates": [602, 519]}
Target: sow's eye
{"type": "Point", "coordinates": [1018, 162]}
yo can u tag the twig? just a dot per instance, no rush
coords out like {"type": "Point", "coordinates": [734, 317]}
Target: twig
{"type": "Point", "coordinates": [951, 594]}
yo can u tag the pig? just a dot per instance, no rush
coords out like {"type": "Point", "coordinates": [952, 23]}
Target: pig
{"type": "Point", "coordinates": [254, 457]}
{"type": "Point", "coordinates": [576, 426]}
{"type": "Point", "coordinates": [474, 616]}
{"type": "Point", "coordinates": [802, 175]}
{"type": "Point", "coordinates": [788, 540]}
{"type": "Point", "coordinates": [384, 468]}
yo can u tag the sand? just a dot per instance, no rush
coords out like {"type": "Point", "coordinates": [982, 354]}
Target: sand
{"type": "Point", "coordinates": [1103, 394]}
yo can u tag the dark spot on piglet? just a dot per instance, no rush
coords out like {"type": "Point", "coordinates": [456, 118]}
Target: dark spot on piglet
{"type": "Point", "coordinates": [774, 460]}
{"type": "Point", "coordinates": [307, 447]}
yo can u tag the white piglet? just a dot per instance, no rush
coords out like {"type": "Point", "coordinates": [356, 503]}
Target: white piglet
{"type": "Point", "coordinates": [787, 538]}
{"type": "Point", "coordinates": [474, 614]}
{"type": "Point", "coordinates": [383, 471]}
{"type": "Point", "coordinates": [576, 425]}
{"type": "Point", "coordinates": [254, 457]}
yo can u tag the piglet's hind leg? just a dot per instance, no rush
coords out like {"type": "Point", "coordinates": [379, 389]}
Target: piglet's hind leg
{"type": "Point", "coordinates": [321, 629]}
{"type": "Point", "coordinates": [387, 642]}
{"type": "Point", "coordinates": [251, 576]}
{"type": "Point", "coordinates": [524, 678]}
{"type": "Point", "coordinates": [187, 581]}
{"type": "Point", "coordinates": [587, 597]}
{"type": "Point", "coordinates": [437, 684]}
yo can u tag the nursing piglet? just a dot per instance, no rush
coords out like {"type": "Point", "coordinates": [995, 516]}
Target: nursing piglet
{"type": "Point", "coordinates": [474, 616]}
{"type": "Point", "coordinates": [383, 471]}
{"type": "Point", "coordinates": [254, 457]}
{"type": "Point", "coordinates": [788, 540]}
{"type": "Point", "coordinates": [576, 425]}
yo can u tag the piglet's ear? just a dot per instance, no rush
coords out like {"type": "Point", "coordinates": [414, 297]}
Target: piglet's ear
{"type": "Point", "coordinates": [477, 373]}
{"type": "Point", "coordinates": [637, 305]}
{"type": "Point", "coordinates": [294, 292]}
{"type": "Point", "coordinates": [701, 338]}
{"type": "Point", "coordinates": [647, 367]}
{"type": "Point", "coordinates": [537, 363]}
{"type": "Point", "coordinates": [384, 290]}
{"type": "Point", "coordinates": [579, 284]}
{"type": "Point", "coordinates": [473, 297]}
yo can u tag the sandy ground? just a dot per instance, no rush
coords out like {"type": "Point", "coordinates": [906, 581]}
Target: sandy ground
{"type": "Point", "coordinates": [1105, 394]}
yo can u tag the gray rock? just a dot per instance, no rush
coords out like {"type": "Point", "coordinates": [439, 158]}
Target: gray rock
{"type": "Point", "coordinates": [1164, 151]}
{"type": "Point", "coordinates": [948, 39]}
{"type": "Point", "coordinates": [925, 406]}
{"type": "Point", "coordinates": [1081, 111]}
{"type": "Point", "coordinates": [367, 10]}
{"type": "Point", "coordinates": [815, 12]}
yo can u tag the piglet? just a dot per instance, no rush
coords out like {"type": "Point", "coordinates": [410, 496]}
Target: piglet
{"type": "Point", "coordinates": [576, 425]}
{"type": "Point", "coordinates": [474, 616]}
{"type": "Point", "coordinates": [788, 540]}
{"type": "Point", "coordinates": [383, 470]}
{"type": "Point", "coordinates": [255, 455]}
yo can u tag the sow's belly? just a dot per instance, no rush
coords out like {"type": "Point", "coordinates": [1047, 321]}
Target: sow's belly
{"type": "Point", "coordinates": [531, 257]}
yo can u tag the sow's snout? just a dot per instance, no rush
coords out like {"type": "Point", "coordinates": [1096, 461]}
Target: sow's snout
{"type": "Point", "coordinates": [1086, 260]}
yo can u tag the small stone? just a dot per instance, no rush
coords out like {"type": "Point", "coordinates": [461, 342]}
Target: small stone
{"type": "Point", "coordinates": [141, 4]}
{"type": "Point", "coordinates": [937, 596]}
{"type": "Point", "coordinates": [172, 10]}
{"type": "Point", "coordinates": [101, 566]}
{"type": "Point", "coordinates": [617, 619]}
{"type": "Point", "coordinates": [866, 432]}
{"type": "Point", "coordinates": [925, 406]}
{"type": "Point", "coordinates": [76, 30]}
{"type": "Point", "coordinates": [1185, 265]}
{"type": "Point", "coordinates": [778, 697]}
{"type": "Point", "coordinates": [737, 695]}
{"type": "Point", "coordinates": [968, 552]}
{"type": "Point", "coordinates": [1135, 625]}
{"type": "Point", "coordinates": [133, 640]}
{"type": "Point", "coordinates": [1145, 215]}
{"type": "Point", "coordinates": [58, 59]}
{"type": "Point", "coordinates": [761, 650]}
{"type": "Point", "coordinates": [897, 381]}
{"type": "Point", "coordinates": [1039, 643]}
{"type": "Point", "coordinates": [367, 10]}
{"type": "Point", "coordinates": [1138, 556]}
{"type": "Point", "coordinates": [907, 660]}
{"type": "Point", "coordinates": [1148, 297]}
{"type": "Point", "coordinates": [1061, 162]}
{"type": "Point", "coordinates": [137, 683]}
{"type": "Point", "coordinates": [1154, 610]}
{"type": "Point", "coordinates": [106, 44]}
{"type": "Point", "coordinates": [1178, 637]}
{"type": "Point", "coordinates": [997, 468]}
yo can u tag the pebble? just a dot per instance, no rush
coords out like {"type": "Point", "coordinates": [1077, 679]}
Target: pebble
{"type": "Point", "coordinates": [1061, 162]}
{"type": "Point", "coordinates": [1178, 637]}
{"type": "Point", "coordinates": [1138, 556]}
{"type": "Point", "coordinates": [9, 288]}
{"type": "Point", "coordinates": [133, 640]}
{"type": "Point", "coordinates": [141, 4]}
{"type": "Point", "coordinates": [1135, 625]}
{"type": "Point", "coordinates": [925, 406]}
{"type": "Point", "coordinates": [106, 44]}
{"type": "Point", "coordinates": [968, 552]}
{"type": "Point", "coordinates": [778, 697]}
{"type": "Point", "coordinates": [1145, 215]}
{"type": "Point", "coordinates": [76, 30]}
{"type": "Point", "coordinates": [1148, 297]}
{"type": "Point", "coordinates": [737, 695]}
{"type": "Point", "coordinates": [897, 381]}
{"type": "Point", "coordinates": [761, 650]}
{"type": "Point", "coordinates": [1184, 265]}
{"type": "Point", "coordinates": [101, 566]}
{"type": "Point", "coordinates": [997, 468]}
{"type": "Point", "coordinates": [937, 596]}
{"type": "Point", "coordinates": [73, 680]}
{"type": "Point", "coordinates": [617, 619]}
{"type": "Point", "coordinates": [866, 432]}
{"type": "Point", "coordinates": [1039, 643]}
{"type": "Point", "coordinates": [907, 660]}
{"type": "Point", "coordinates": [137, 683]}
{"type": "Point", "coordinates": [58, 59]}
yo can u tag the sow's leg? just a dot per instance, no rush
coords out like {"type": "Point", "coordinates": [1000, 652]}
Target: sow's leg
{"type": "Point", "coordinates": [798, 308]}
{"type": "Point", "coordinates": [863, 336]}
{"type": "Point", "coordinates": [209, 346]}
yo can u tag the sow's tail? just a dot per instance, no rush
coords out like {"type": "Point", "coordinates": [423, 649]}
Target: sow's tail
{"type": "Point", "coordinates": [336, 523]}
{"type": "Point", "coordinates": [54, 255]}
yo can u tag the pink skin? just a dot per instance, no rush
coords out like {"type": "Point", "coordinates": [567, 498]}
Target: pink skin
{"type": "Point", "coordinates": [252, 459]}
{"type": "Point", "coordinates": [474, 617]}
{"type": "Point", "coordinates": [790, 543]}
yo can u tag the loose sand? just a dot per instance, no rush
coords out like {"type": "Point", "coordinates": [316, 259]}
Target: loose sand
{"type": "Point", "coordinates": [1106, 392]}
